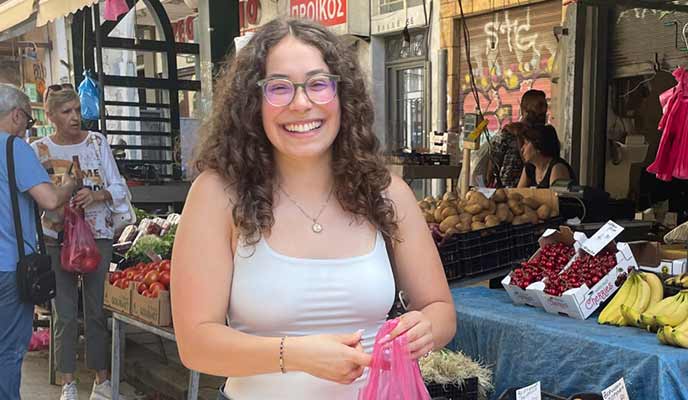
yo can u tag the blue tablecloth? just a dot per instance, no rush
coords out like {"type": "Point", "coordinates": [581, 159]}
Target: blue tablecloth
{"type": "Point", "coordinates": [524, 345]}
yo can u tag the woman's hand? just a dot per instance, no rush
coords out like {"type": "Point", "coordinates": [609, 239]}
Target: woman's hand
{"type": "Point", "coordinates": [418, 331]}
{"type": "Point", "coordinates": [85, 197]}
{"type": "Point", "coordinates": [337, 358]}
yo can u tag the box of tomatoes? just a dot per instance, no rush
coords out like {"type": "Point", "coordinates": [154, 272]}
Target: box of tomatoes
{"type": "Point", "coordinates": [147, 287]}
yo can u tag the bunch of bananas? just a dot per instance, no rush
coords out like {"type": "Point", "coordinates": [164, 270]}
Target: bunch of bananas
{"type": "Point", "coordinates": [678, 280]}
{"type": "Point", "coordinates": [672, 320]}
{"type": "Point", "coordinates": [637, 296]}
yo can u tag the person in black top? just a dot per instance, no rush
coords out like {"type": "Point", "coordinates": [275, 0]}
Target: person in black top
{"type": "Point", "coordinates": [540, 152]}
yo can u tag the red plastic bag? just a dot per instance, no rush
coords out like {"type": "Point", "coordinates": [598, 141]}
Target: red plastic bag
{"type": "Point", "coordinates": [40, 340]}
{"type": "Point", "coordinates": [393, 374]}
{"type": "Point", "coordinates": [79, 251]}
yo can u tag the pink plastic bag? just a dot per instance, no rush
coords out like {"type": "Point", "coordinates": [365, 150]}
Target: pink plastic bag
{"type": "Point", "coordinates": [393, 375]}
{"type": "Point", "coordinates": [115, 8]}
{"type": "Point", "coordinates": [40, 340]}
{"type": "Point", "coordinates": [79, 251]}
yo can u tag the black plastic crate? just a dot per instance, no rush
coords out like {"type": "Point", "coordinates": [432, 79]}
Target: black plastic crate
{"type": "Point", "coordinates": [510, 394]}
{"type": "Point", "coordinates": [469, 390]}
{"type": "Point", "coordinates": [476, 252]}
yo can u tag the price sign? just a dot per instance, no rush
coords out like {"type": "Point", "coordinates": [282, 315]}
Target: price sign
{"type": "Point", "coordinates": [531, 392]}
{"type": "Point", "coordinates": [602, 238]}
{"type": "Point", "coordinates": [617, 391]}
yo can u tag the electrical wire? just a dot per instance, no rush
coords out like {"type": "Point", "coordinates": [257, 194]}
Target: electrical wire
{"type": "Point", "coordinates": [474, 90]}
{"type": "Point", "coordinates": [644, 81]}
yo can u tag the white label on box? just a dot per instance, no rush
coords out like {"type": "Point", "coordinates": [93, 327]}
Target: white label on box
{"type": "Point", "coordinates": [531, 392]}
{"type": "Point", "coordinates": [617, 391]}
{"type": "Point", "coordinates": [488, 192]}
{"type": "Point", "coordinates": [602, 238]}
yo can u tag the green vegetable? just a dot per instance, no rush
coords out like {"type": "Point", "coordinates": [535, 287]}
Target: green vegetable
{"type": "Point", "coordinates": [141, 214]}
{"type": "Point", "coordinates": [148, 244]}
{"type": "Point", "coordinates": [168, 237]}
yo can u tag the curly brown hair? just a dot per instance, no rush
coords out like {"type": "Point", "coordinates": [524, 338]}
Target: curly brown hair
{"type": "Point", "coordinates": [236, 147]}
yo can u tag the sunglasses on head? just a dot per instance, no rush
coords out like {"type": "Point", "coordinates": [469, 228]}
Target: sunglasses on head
{"type": "Point", "coordinates": [57, 88]}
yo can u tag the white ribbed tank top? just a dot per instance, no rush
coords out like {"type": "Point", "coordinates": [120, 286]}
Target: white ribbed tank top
{"type": "Point", "coordinates": [276, 295]}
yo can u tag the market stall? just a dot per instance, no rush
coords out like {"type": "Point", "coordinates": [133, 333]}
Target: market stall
{"type": "Point", "coordinates": [526, 344]}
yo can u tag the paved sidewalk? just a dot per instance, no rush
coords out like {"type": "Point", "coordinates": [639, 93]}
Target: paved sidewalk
{"type": "Point", "coordinates": [35, 384]}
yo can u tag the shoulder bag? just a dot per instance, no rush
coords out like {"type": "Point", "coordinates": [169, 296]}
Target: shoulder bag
{"type": "Point", "coordinates": [35, 277]}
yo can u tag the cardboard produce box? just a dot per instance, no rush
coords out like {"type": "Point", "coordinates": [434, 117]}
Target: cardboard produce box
{"type": "Point", "coordinates": [152, 310]}
{"type": "Point", "coordinates": [581, 302]}
{"type": "Point", "coordinates": [531, 297]}
{"type": "Point", "coordinates": [652, 257]}
{"type": "Point", "coordinates": [116, 299]}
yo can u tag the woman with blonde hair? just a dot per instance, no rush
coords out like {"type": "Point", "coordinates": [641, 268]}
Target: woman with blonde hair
{"type": "Point", "coordinates": [290, 214]}
{"type": "Point", "coordinates": [103, 192]}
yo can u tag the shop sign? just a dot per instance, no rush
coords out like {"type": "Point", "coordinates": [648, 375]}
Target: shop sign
{"type": "Point", "coordinates": [184, 30]}
{"type": "Point", "coordinates": [327, 12]}
{"type": "Point", "coordinates": [249, 13]}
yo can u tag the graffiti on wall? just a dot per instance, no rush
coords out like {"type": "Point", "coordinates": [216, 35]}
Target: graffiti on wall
{"type": "Point", "coordinates": [509, 56]}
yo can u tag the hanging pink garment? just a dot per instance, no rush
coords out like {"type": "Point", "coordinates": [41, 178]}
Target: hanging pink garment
{"type": "Point", "coordinates": [115, 8]}
{"type": "Point", "coordinates": [673, 147]}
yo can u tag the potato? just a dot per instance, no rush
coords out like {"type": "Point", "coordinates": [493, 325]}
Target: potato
{"type": "Point", "coordinates": [438, 213]}
{"type": "Point", "coordinates": [480, 217]}
{"type": "Point", "coordinates": [520, 220]}
{"type": "Point", "coordinates": [515, 196]}
{"type": "Point", "coordinates": [492, 207]}
{"type": "Point", "coordinates": [553, 213]}
{"type": "Point", "coordinates": [531, 216]}
{"type": "Point", "coordinates": [477, 226]}
{"type": "Point", "coordinates": [510, 216]}
{"type": "Point", "coordinates": [516, 207]}
{"type": "Point", "coordinates": [543, 211]}
{"type": "Point", "coordinates": [499, 196]}
{"type": "Point", "coordinates": [424, 205]}
{"type": "Point", "coordinates": [502, 211]}
{"type": "Point", "coordinates": [450, 196]}
{"type": "Point", "coordinates": [466, 218]}
{"type": "Point", "coordinates": [463, 227]}
{"type": "Point", "coordinates": [448, 211]}
{"type": "Point", "coordinates": [429, 199]}
{"type": "Point", "coordinates": [429, 217]}
{"type": "Point", "coordinates": [449, 222]}
{"type": "Point", "coordinates": [451, 231]}
{"type": "Point", "coordinates": [531, 202]}
{"type": "Point", "coordinates": [473, 209]}
{"type": "Point", "coordinates": [462, 203]}
{"type": "Point", "coordinates": [491, 221]}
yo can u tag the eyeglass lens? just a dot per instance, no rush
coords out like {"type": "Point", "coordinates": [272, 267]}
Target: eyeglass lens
{"type": "Point", "coordinates": [319, 90]}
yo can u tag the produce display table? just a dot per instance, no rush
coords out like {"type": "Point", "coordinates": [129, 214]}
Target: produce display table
{"type": "Point", "coordinates": [523, 345]}
{"type": "Point", "coordinates": [118, 341]}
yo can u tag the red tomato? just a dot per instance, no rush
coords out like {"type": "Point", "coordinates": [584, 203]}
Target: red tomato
{"type": "Point", "coordinates": [140, 265]}
{"type": "Point", "coordinates": [115, 276]}
{"type": "Point", "coordinates": [138, 277]}
{"type": "Point", "coordinates": [129, 273]}
{"type": "Point", "coordinates": [156, 287]}
{"type": "Point", "coordinates": [165, 265]}
{"type": "Point", "coordinates": [122, 283]}
{"type": "Point", "coordinates": [151, 276]}
{"type": "Point", "coordinates": [165, 279]}
{"type": "Point", "coordinates": [141, 287]}
{"type": "Point", "coordinates": [146, 293]}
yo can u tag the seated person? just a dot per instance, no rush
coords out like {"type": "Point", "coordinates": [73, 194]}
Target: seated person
{"type": "Point", "coordinates": [540, 153]}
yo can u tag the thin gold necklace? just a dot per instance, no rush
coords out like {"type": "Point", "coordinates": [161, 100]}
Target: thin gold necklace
{"type": "Point", "coordinates": [316, 227]}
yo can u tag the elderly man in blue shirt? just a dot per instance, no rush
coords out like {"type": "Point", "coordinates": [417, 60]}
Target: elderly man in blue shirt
{"type": "Point", "coordinates": [33, 184]}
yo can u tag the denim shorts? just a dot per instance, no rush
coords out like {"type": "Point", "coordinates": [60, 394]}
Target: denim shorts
{"type": "Point", "coordinates": [15, 334]}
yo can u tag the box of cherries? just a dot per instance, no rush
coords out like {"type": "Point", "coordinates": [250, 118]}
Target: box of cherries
{"type": "Point", "coordinates": [598, 269]}
{"type": "Point", "coordinates": [556, 251]}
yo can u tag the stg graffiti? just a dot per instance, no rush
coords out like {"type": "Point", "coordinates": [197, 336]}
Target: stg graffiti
{"type": "Point", "coordinates": [513, 58]}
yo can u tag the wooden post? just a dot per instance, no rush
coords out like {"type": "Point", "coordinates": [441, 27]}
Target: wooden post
{"type": "Point", "coordinates": [466, 168]}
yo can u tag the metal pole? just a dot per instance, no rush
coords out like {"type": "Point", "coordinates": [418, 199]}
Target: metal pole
{"type": "Point", "coordinates": [442, 91]}
{"type": "Point", "coordinates": [99, 67]}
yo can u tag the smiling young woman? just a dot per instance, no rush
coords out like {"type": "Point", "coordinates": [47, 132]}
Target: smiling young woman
{"type": "Point", "coordinates": [295, 279]}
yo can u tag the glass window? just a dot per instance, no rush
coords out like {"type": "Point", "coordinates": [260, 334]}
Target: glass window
{"type": "Point", "coordinates": [410, 108]}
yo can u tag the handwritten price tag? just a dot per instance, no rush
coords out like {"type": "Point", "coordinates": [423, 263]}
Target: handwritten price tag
{"type": "Point", "coordinates": [617, 391]}
{"type": "Point", "coordinates": [531, 392]}
{"type": "Point", "coordinates": [602, 238]}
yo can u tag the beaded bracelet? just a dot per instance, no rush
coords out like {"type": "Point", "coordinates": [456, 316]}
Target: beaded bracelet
{"type": "Point", "coordinates": [281, 355]}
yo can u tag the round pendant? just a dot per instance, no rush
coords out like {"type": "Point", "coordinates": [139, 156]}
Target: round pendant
{"type": "Point", "coordinates": [317, 228]}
